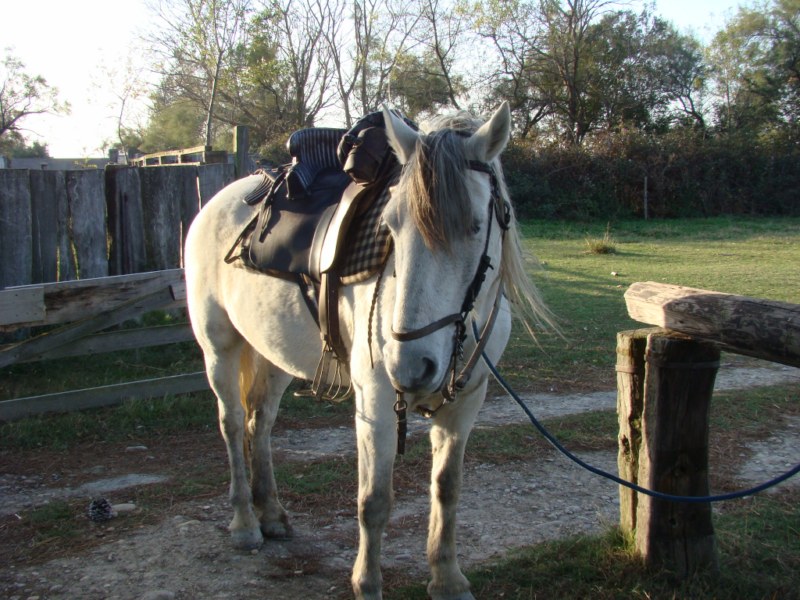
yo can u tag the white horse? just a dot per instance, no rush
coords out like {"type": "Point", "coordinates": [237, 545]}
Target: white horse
{"type": "Point", "coordinates": [448, 214]}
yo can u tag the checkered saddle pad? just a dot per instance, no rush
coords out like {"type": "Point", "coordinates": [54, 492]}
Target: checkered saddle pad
{"type": "Point", "coordinates": [370, 243]}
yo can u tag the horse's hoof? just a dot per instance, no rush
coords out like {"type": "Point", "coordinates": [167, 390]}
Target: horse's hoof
{"type": "Point", "coordinates": [277, 530]}
{"type": "Point", "coordinates": [250, 539]}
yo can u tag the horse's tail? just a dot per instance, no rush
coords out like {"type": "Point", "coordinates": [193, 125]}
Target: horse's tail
{"type": "Point", "coordinates": [248, 369]}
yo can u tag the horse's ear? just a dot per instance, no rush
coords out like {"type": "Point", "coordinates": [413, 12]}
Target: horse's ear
{"type": "Point", "coordinates": [402, 138]}
{"type": "Point", "coordinates": [490, 140]}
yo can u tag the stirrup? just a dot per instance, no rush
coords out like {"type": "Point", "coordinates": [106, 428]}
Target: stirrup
{"type": "Point", "coordinates": [335, 392]}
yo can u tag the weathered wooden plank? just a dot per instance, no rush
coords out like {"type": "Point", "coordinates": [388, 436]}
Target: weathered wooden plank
{"type": "Point", "coordinates": [673, 458]}
{"type": "Point", "coordinates": [50, 340]}
{"type": "Point", "coordinates": [761, 328]}
{"type": "Point", "coordinates": [48, 200]}
{"type": "Point", "coordinates": [79, 299]}
{"type": "Point", "coordinates": [189, 206]}
{"type": "Point", "coordinates": [179, 291]}
{"type": "Point", "coordinates": [162, 193]}
{"type": "Point", "coordinates": [87, 210]}
{"type": "Point", "coordinates": [67, 258]}
{"type": "Point", "coordinates": [113, 341]}
{"type": "Point", "coordinates": [22, 304]}
{"type": "Point", "coordinates": [109, 395]}
{"type": "Point", "coordinates": [630, 402]}
{"type": "Point", "coordinates": [16, 228]}
{"type": "Point", "coordinates": [125, 220]}
{"type": "Point", "coordinates": [113, 181]}
{"type": "Point", "coordinates": [211, 179]}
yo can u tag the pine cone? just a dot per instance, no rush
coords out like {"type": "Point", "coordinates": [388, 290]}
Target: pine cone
{"type": "Point", "coordinates": [100, 510]}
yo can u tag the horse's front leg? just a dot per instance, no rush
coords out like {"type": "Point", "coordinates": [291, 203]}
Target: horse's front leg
{"type": "Point", "coordinates": [449, 434]}
{"type": "Point", "coordinates": [376, 438]}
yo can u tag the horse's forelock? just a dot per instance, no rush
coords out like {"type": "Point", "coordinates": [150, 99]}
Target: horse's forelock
{"type": "Point", "coordinates": [436, 186]}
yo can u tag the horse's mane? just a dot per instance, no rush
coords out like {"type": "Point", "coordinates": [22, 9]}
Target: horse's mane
{"type": "Point", "coordinates": [437, 193]}
{"type": "Point", "coordinates": [434, 180]}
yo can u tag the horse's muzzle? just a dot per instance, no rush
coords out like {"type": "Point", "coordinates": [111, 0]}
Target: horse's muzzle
{"type": "Point", "coordinates": [413, 367]}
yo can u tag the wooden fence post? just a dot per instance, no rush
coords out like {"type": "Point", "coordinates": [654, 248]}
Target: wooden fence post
{"type": "Point", "coordinates": [241, 147]}
{"type": "Point", "coordinates": [52, 252]}
{"type": "Point", "coordinates": [673, 459]}
{"type": "Point", "coordinates": [679, 380]}
{"type": "Point", "coordinates": [630, 401]}
{"type": "Point", "coordinates": [165, 192]}
{"type": "Point", "coordinates": [125, 220]}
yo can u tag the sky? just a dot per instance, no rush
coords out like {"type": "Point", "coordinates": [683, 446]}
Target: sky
{"type": "Point", "coordinates": [82, 47]}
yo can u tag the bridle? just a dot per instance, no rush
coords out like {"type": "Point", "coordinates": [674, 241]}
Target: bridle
{"type": "Point", "coordinates": [498, 210]}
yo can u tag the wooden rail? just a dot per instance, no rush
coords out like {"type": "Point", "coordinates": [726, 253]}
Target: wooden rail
{"type": "Point", "coordinates": [665, 380]}
{"type": "Point", "coordinates": [81, 310]}
{"type": "Point", "coordinates": [752, 326]}
{"type": "Point", "coordinates": [198, 155]}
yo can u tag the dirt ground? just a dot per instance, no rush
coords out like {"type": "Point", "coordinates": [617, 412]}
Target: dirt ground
{"type": "Point", "coordinates": [183, 552]}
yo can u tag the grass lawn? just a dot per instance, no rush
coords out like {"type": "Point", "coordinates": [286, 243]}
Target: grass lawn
{"type": "Point", "coordinates": [749, 257]}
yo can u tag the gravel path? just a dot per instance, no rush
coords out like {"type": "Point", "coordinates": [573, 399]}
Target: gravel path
{"type": "Point", "coordinates": [187, 556]}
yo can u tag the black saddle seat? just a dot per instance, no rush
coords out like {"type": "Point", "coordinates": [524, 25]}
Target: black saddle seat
{"type": "Point", "coordinates": [283, 239]}
{"type": "Point", "coordinates": [315, 164]}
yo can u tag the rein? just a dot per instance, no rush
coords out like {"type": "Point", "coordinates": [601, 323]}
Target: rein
{"type": "Point", "coordinates": [499, 210]}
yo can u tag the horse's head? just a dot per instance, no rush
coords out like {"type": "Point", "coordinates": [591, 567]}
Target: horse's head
{"type": "Point", "coordinates": [446, 216]}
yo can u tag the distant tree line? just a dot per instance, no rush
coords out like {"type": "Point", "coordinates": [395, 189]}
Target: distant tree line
{"type": "Point", "coordinates": [611, 106]}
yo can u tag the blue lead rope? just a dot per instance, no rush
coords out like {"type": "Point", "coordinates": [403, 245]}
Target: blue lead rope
{"type": "Point", "coordinates": [597, 471]}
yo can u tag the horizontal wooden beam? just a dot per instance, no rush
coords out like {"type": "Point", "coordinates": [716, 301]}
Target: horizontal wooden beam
{"type": "Point", "coordinates": [67, 301]}
{"type": "Point", "coordinates": [108, 395]}
{"type": "Point", "coordinates": [113, 341]}
{"type": "Point", "coordinates": [764, 329]}
{"type": "Point", "coordinates": [23, 304]}
{"type": "Point", "coordinates": [68, 334]}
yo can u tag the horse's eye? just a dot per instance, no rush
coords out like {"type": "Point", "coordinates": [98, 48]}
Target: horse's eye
{"type": "Point", "coordinates": [476, 227]}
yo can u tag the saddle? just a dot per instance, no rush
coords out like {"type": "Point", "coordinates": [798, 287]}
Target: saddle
{"type": "Point", "coordinates": [319, 218]}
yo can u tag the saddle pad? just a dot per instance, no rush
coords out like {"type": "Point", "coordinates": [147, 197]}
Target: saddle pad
{"type": "Point", "coordinates": [284, 232]}
{"type": "Point", "coordinates": [371, 243]}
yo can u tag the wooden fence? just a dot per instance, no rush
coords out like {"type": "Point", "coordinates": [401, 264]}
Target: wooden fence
{"type": "Point", "coordinates": [83, 251]}
{"type": "Point", "coordinates": [665, 378]}
{"type": "Point", "coordinates": [78, 315]}
{"type": "Point", "coordinates": [65, 225]}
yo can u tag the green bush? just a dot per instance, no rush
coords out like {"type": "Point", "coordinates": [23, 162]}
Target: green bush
{"type": "Point", "coordinates": [688, 175]}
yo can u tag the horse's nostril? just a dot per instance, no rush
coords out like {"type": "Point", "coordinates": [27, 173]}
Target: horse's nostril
{"type": "Point", "coordinates": [413, 375]}
{"type": "Point", "coordinates": [428, 370]}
